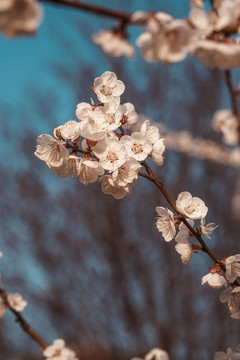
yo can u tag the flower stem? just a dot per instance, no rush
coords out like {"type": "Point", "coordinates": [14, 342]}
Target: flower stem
{"type": "Point", "coordinates": [22, 322]}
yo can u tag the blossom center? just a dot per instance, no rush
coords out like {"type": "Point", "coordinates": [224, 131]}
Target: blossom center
{"type": "Point", "coordinates": [112, 156]}
{"type": "Point", "coordinates": [137, 148]}
{"type": "Point", "coordinates": [106, 90]}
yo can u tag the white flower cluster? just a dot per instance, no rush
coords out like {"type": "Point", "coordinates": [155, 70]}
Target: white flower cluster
{"type": "Point", "coordinates": [216, 280]}
{"type": "Point", "coordinates": [100, 136]}
{"type": "Point", "coordinates": [228, 355]}
{"type": "Point", "coordinates": [19, 17]}
{"type": "Point", "coordinates": [58, 351]}
{"type": "Point", "coordinates": [192, 208]}
{"type": "Point", "coordinates": [206, 35]}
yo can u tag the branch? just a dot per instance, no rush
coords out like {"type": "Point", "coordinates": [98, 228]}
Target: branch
{"type": "Point", "coordinates": [22, 322]}
{"type": "Point", "coordinates": [232, 93]}
{"type": "Point", "coordinates": [124, 16]}
{"type": "Point", "coordinates": [160, 186]}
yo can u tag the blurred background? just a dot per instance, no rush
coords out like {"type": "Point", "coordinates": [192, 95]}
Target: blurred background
{"type": "Point", "coordinates": [95, 270]}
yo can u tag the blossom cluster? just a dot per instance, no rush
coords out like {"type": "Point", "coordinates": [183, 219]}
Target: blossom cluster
{"type": "Point", "coordinates": [58, 351]}
{"type": "Point", "coordinates": [193, 208]}
{"type": "Point", "coordinates": [211, 36]}
{"type": "Point", "coordinates": [99, 142]}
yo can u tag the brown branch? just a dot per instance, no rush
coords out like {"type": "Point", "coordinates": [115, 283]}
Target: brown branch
{"type": "Point", "coordinates": [22, 322]}
{"type": "Point", "coordinates": [124, 16]}
{"type": "Point", "coordinates": [232, 93]}
{"type": "Point", "coordinates": [85, 152]}
{"type": "Point", "coordinates": [233, 96]}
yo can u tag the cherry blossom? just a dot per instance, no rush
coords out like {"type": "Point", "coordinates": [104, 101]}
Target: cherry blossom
{"type": "Point", "coordinates": [69, 131]}
{"type": "Point", "coordinates": [215, 54]}
{"type": "Point", "coordinates": [71, 166]}
{"type": "Point", "coordinates": [226, 122]}
{"type": "Point", "coordinates": [228, 16]}
{"type": "Point", "coordinates": [114, 42]}
{"type": "Point", "coordinates": [166, 40]}
{"type": "Point", "coordinates": [137, 145]}
{"type": "Point", "coordinates": [183, 247]}
{"type": "Point", "coordinates": [16, 301]}
{"type": "Point", "coordinates": [90, 171]}
{"type": "Point", "coordinates": [113, 156]}
{"type": "Point", "coordinates": [150, 132]}
{"type": "Point", "coordinates": [232, 297]}
{"type": "Point", "coordinates": [229, 355]}
{"type": "Point", "coordinates": [206, 230]}
{"type": "Point", "coordinates": [165, 223]}
{"type": "Point", "coordinates": [19, 17]}
{"type": "Point", "coordinates": [51, 150]}
{"type": "Point", "coordinates": [157, 354]}
{"type": "Point", "coordinates": [129, 115]}
{"type": "Point", "coordinates": [232, 267]}
{"type": "Point", "coordinates": [108, 88]}
{"type": "Point", "coordinates": [158, 151]}
{"type": "Point", "coordinates": [127, 172]}
{"type": "Point", "coordinates": [214, 280]}
{"type": "Point", "coordinates": [109, 187]}
{"type": "Point", "coordinates": [185, 250]}
{"type": "Point", "coordinates": [58, 351]}
{"type": "Point", "coordinates": [192, 207]}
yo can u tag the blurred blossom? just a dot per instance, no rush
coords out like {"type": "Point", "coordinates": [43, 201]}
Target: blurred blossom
{"type": "Point", "coordinates": [114, 42]}
{"type": "Point", "coordinates": [19, 17]}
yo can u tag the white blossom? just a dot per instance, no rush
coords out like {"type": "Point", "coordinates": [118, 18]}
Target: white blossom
{"type": "Point", "coordinates": [127, 172]}
{"type": "Point", "coordinates": [137, 145]}
{"type": "Point", "coordinates": [226, 122]}
{"type": "Point", "coordinates": [184, 233]}
{"type": "Point", "coordinates": [206, 230]}
{"type": "Point", "coordinates": [89, 172]}
{"type": "Point", "coordinates": [19, 17]}
{"type": "Point", "coordinates": [108, 88]}
{"type": "Point", "coordinates": [71, 166]}
{"type": "Point", "coordinates": [129, 115]}
{"type": "Point", "coordinates": [185, 250]}
{"type": "Point", "coordinates": [113, 156]}
{"type": "Point", "coordinates": [114, 43]}
{"type": "Point", "coordinates": [150, 132]}
{"type": "Point", "coordinates": [109, 187]}
{"type": "Point", "coordinates": [228, 16]}
{"type": "Point", "coordinates": [232, 268]}
{"type": "Point", "coordinates": [192, 207]}
{"type": "Point", "coordinates": [214, 280]}
{"type": "Point", "coordinates": [51, 150]}
{"type": "Point", "coordinates": [165, 223]}
{"type": "Point", "coordinates": [158, 151]}
{"type": "Point", "coordinates": [108, 116]}
{"type": "Point", "coordinates": [157, 354]}
{"type": "Point", "coordinates": [215, 54]}
{"type": "Point", "coordinates": [69, 131]}
{"type": "Point", "coordinates": [16, 301]}
{"type": "Point", "coordinates": [166, 40]}
{"type": "Point", "coordinates": [228, 355]}
{"type": "Point", "coordinates": [232, 297]}
{"type": "Point", "coordinates": [58, 351]}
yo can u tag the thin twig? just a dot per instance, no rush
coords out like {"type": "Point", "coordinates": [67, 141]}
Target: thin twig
{"type": "Point", "coordinates": [159, 184]}
{"type": "Point", "coordinates": [124, 16]}
{"type": "Point", "coordinates": [232, 93]}
{"type": "Point", "coordinates": [22, 322]}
